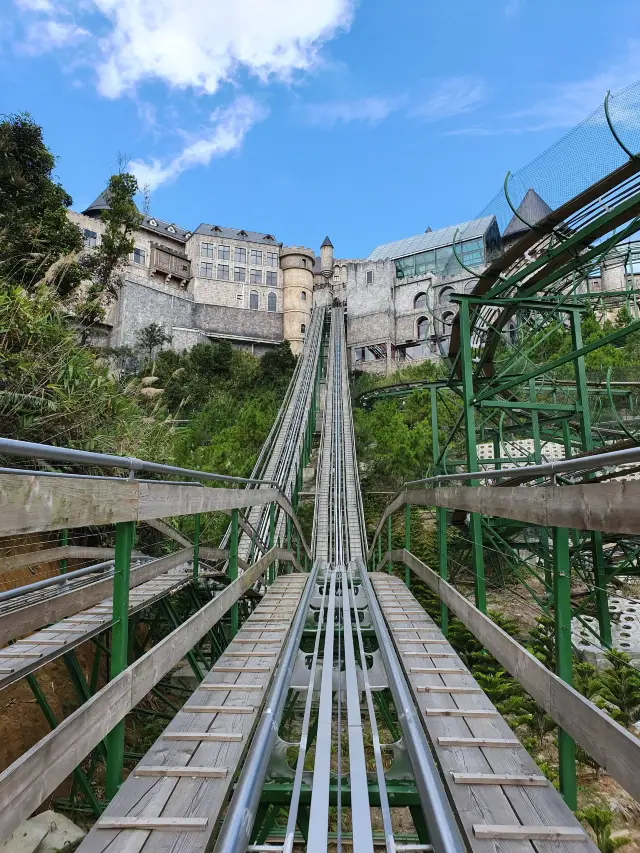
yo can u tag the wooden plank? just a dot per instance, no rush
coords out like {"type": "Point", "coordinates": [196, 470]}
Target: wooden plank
{"type": "Point", "coordinates": [437, 670]}
{"type": "Point", "coordinates": [461, 712]}
{"type": "Point", "coordinates": [218, 709]}
{"type": "Point", "coordinates": [250, 654]}
{"type": "Point", "coordinates": [480, 742]}
{"type": "Point", "coordinates": [19, 622]}
{"type": "Point", "coordinates": [254, 641]}
{"type": "Point", "coordinates": [428, 654]}
{"type": "Point", "coordinates": [224, 737]}
{"type": "Point", "coordinates": [6, 653]}
{"type": "Point", "coordinates": [234, 686]}
{"type": "Point", "coordinates": [498, 779]}
{"type": "Point", "coordinates": [494, 832]}
{"type": "Point", "coordinates": [171, 532]}
{"type": "Point", "coordinates": [47, 555]}
{"type": "Point", "coordinates": [26, 783]}
{"type": "Point", "coordinates": [443, 688]}
{"type": "Point", "coordinates": [178, 823]}
{"type": "Point", "coordinates": [189, 770]}
{"type": "Point", "coordinates": [240, 669]}
{"type": "Point", "coordinates": [612, 746]}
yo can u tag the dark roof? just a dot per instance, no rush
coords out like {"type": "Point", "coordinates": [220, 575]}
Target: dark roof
{"type": "Point", "coordinates": [158, 226]}
{"type": "Point", "coordinates": [317, 266]}
{"type": "Point", "coordinates": [100, 204]}
{"type": "Point", "coordinates": [236, 234]}
{"type": "Point", "coordinates": [532, 209]}
{"type": "Point", "coordinates": [326, 242]}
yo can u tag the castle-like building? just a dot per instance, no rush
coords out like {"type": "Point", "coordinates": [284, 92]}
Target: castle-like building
{"type": "Point", "coordinates": [217, 283]}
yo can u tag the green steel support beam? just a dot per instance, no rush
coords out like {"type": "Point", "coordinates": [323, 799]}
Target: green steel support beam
{"type": "Point", "coordinates": [125, 532]}
{"type": "Point", "coordinates": [196, 546]}
{"type": "Point", "coordinates": [78, 774]}
{"type": "Point", "coordinates": [407, 541]}
{"type": "Point", "coordinates": [233, 567]}
{"type": "Point", "coordinates": [389, 545]}
{"type": "Point", "coordinates": [64, 540]}
{"type": "Point", "coordinates": [602, 600]}
{"type": "Point", "coordinates": [564, 657]}
{"type": "Point", "coordinates": [475, 527]}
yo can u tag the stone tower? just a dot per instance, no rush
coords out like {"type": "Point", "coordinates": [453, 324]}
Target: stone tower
{"type": "Point", "coordinates": [613, 273]}
{"type": "Point", "coordinates": [297, 272]}
{"type": "Point", "coordinates": [326, 258]}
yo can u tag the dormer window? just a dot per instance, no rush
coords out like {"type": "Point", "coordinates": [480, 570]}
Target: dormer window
{"type": "Point", "coordinates": [268, 237]}
{"type": "Point", "coordinates": [242, 233]}
{"type": "Point", "coordinates": [187, 234]}
{"type": "Point", "coordinates": [153, 223]}
{"type": "Point", "coordinates": [171, 229]}
{"type": "Point", "coordinates": [217, 229]}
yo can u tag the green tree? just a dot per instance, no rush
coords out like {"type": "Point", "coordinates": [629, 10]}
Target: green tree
{"type": "Point", "coordinates": [601, 822]}
{"type": "Point", "coordinates": [621, 688]}
{"type": "Point", "coordinates": [151, 337]}
{"type": "Point", "coordinates": [35, 232]}
{"type": "Point", "coordinates": [104, 266]}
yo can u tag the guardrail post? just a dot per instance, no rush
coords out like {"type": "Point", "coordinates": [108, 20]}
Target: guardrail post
{"type": "Point", "coordinates": [564, 656]}
{"type": "Point", "coordinates": [272, 536]}
{"type": "Point", "coordinates": [379, 549]}
{"type": "Point", "coordinates": [125, 532]}
{"type": "Point", "coordinates": [389, 564]}
{"type": "Point", "coordinates": [233, 567]}
{"type": "Point", "coordinates": [441, 522]}
{"type": "Point", "coordinates": [407, 541]}
{"type": "Point", "coordinates": [64, 540]}
{"type": "Point", "coordinates": [196, 546]}
{"type": "Point", "coordinates": [290, 567]}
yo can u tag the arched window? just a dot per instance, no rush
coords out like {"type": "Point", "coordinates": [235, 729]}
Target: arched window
{"type": "Point", "coordinates": [303, 295]}
{"type": "Point", "coordinates": [303, 262]}
{"type": "Point", "coordinates": [422, 327]}
{"type": "Point", "coordinates": [254, 300]}
{"type": "Point", "coordinates": [303, 329]}
{"type": "Point", "coordinates": [271, 302]}
{"type": "Point", "coordinates": [445, 294]}
{"type": "Point", "coordinates": [447, 320]}
{"type": "Point", "coordinates": [420, 300]}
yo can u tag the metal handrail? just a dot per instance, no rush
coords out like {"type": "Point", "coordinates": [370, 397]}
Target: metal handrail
{"type": "Point", "coordinates": [559, 466]}
{"type": "Point", "coordinates": [33, 450]}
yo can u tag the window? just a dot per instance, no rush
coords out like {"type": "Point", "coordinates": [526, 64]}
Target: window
{"type": "Point", "coordinates": [336, 277]}
{"type": "Point", "coordinates": [255, 276]}
{"type": "Point", "coordinates": [369, 276]}
{"type": "Point", "coordinates": [256, 256]}
{"type": "Point", "coordinates": [422, 327]}
{"type": "Point", "coordinates": [420, 300]}
{"type": "Point", "coordinates": [90, 239]}
{"type": "Point", "coordinates": [171, 229]}
{"type": "Point", "coordinates": [239, 297]}
{"type": "Point", "coordinates": [240, 255]}
{"type": "Point", "coordinates": [471, 252]}
{"type": "Point", "coordinates": [272, 259]}
{"type": "Point", "coordinates": [224, 253]}
{"type": "Point", "coordinates": [272, 302]}
{"type": "Point", "coordinates": [223, 272]}
{"type": "Point", "coordinates": [207, 250]}
{"type": "Point", "coordinates": [303, 328]}
{"type": "Point", "coordinates": [303, 262]}
{"type": "Point", "coordinates": [139, 256]}
{"type": "Point", "coordinates": [239, 273]}
{"type": "Point", "coordinates": [272, 278]}
{"type": "Point", "coordinates": [254, 300]}
{"type": "Point", "coordinates": [445, 294]}
{"type": "Point", "coordinates": [447, 319]}
{"type": "Point", "coordinates": [303, 296]}
{"type": "Point", "coordinates": [153, 223]}
{"type": "Point", "coordinates": [206, 269]}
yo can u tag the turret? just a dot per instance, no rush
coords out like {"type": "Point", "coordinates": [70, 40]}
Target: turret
{"type": "Point", "coordinates": [326, 258]}
{"type": "Point", "coordinates": [297, 273]}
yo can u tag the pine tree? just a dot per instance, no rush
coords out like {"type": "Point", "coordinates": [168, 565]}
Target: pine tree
{"type": "Point", "coordinates": [621, 688]}
{"type": "Point", "coordinates": [601, 820]}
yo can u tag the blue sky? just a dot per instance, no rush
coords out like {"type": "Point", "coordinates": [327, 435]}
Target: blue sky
{"type": "Point", "coordinates": [366, 121]}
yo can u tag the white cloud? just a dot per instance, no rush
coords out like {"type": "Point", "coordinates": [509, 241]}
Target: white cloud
{"type": "Point", "coordinates": [201, 43]}
{"type": "Point", "coordinates": [450, 97]}
{"type": "Point", "coordinates": [568, 104]}
{"type": "Point", "coordinates": [43, 36]}
{"type": "Point", "coordinates": [370, 110]}
{"type": "Point", "coordinates": [229, 127]}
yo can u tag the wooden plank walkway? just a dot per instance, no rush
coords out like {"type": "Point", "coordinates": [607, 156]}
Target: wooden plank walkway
{"type": "Point", "coordinates": [504, 802]}
{"type": "Point", "coordinates": [29, 654]}
{"type": "Point", "coordinates": [173, 798]}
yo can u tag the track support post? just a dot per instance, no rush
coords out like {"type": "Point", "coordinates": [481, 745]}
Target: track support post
{"type": "Point", "coordinates": [272, 536]}
{"type": "Point", "coordinates": [125, 533]}
{"type": "Point", "coordinates": [564, 656]}
{"type": "Point", "coordinates": [233, 567]}
{"type": "Point", "coordinates": [407, 541]}
{"type": "Point", "coordinates": [389, 534]}
{"type": "Point", "coordinates": [196, 546]}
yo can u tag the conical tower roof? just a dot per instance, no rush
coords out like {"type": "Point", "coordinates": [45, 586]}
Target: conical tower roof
{"type": "Point", "coordinates": [100, 204]}
{"type": "Point", "coordinates": [326, 242]}
{"type": "Point", "coordinates": [532, 209]}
